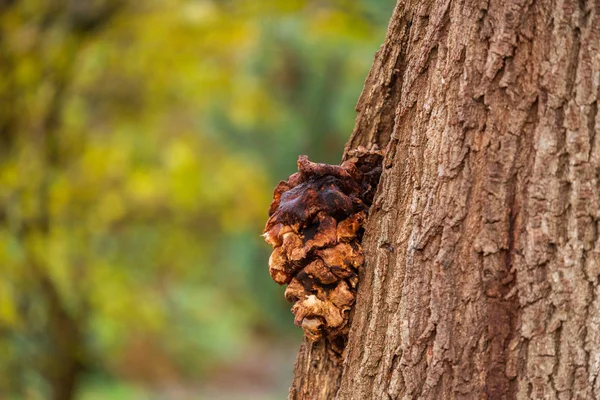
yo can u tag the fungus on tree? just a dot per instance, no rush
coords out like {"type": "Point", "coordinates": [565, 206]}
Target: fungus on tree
{"type": "Point", "coordinates": [315, 226]}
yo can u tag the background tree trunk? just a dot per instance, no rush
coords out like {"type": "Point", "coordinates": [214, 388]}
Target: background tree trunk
{"type": "Point", "coordinates": [483, 253]}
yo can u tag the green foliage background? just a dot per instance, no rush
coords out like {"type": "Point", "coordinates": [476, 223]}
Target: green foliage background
{"type": "Point", "coordinates": [139, 145]}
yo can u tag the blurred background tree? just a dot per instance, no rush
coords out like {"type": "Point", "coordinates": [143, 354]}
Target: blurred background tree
{"type": "Point", "coordinates": [139, 144]}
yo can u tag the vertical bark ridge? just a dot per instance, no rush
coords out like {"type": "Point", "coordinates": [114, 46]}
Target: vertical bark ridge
{"type": "Point", "coordinates": [375, 107]}
{"type": "Point", "coordinates": [316, 373]}
{"type": "Point", "coordinates": [555, 290]}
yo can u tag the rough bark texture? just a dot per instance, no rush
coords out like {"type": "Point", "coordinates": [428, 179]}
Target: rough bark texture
{"type": "Point", "coordinates": [482, 246]}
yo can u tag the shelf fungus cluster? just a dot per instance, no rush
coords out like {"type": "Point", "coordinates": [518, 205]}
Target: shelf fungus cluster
{"type": "Point", "coordinates": [315, 227]}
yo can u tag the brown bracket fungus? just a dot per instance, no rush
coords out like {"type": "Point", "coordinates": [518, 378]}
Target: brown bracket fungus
{"type": "Point", "coordinates": [315, 226]}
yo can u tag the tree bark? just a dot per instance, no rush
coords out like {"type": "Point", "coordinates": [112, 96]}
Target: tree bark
{"type": "Point", "coordinates": [482, 246]}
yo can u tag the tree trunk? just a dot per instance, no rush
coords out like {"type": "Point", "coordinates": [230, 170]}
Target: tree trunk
{"type": "Point", "coordinates": [482, 246]}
